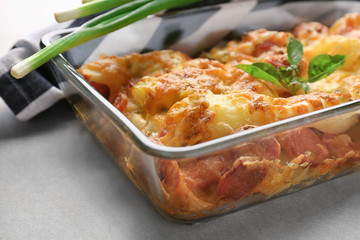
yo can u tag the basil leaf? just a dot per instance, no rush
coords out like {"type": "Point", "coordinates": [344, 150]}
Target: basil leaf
{"type": "Point", "coordinates": [303, 85]}
{"type": "Point", "coordinates": [269, 68]}
{"type": "Point", "coordinates": [285, 74]}
{"type": "Point", "coordinates": [262, 70]}
{"type": "Point", "coordinates": [323, 65]}
{"type": "Point", "coordinates": [288, 77]}
{"type": "Point", "coordinates": [294, 51]}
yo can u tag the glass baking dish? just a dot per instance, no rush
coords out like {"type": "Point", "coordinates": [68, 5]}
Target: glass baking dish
{"type": "Point", "coordinates": [156, 169]}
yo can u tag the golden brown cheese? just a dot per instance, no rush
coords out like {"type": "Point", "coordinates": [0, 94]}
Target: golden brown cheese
{"type": "Point", "coordinates": [254, 47]}
{"type": "Point", "coordinates": [159, 93]}
{"type": "Point", "coordinates": [205, 116]}
{"type": "Point", "coordinates": [118, 72]}
{"type": "Point", "coordinates": [348, 25]}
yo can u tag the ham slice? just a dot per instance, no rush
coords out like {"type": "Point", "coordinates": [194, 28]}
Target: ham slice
{"type": "Point", "coordinates": [240, 180]}
{"type": "Point", "coordinates": [303, 141]}
{"type": "Point", "coordinates": [338, 145]}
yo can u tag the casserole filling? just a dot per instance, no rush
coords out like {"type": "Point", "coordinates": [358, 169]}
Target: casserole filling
{"type": "Point", "coordinates": [178, 101]}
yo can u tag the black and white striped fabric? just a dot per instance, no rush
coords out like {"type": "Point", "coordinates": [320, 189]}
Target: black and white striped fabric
{"type": "Point", "coordinates": [35, 92]}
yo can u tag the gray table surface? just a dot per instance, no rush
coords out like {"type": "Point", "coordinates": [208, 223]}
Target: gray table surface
{"type": "Point", "coordinates": [56, 182]}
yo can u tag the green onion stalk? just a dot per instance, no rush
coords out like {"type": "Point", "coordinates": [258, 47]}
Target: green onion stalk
{"type": "Point", "coordinates": [125, 12]}
{"type": "Point", "coordinates": [88, 8]}
{"type": "Point", "coordinates": [86, 1]}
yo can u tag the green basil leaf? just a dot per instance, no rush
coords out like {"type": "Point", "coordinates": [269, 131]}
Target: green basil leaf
{"type": "Point", "coordinates": [294, 51]}
{"type": "Point", "coordinates": [285, 74]}
{"type": "Point", "coordinates": [262, 70]}
{"type": "Point", "coordinates": [269, 68]}
{"type": "Point", "coordinates": [323, 65]}
{"type": "Point", "coordinates": [300, 82]}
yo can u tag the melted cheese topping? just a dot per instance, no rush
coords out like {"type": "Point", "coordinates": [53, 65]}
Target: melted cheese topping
{"type": "Point", "coordinates": [181, 101]}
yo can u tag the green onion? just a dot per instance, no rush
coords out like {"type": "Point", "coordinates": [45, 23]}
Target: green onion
{"type": "Point", "coordinates": [88, 8]}
{"type": "Point", "coordinates": [86, 1]}
{"type": "Point", "coordinates": [116, 18]}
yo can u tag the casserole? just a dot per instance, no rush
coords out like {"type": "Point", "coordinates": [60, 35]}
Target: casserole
{"type": "Point", "coordinates": [154, 168]}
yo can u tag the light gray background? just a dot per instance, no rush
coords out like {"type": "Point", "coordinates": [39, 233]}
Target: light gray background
{"type": "Point", "coordinates": [56, 182]}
